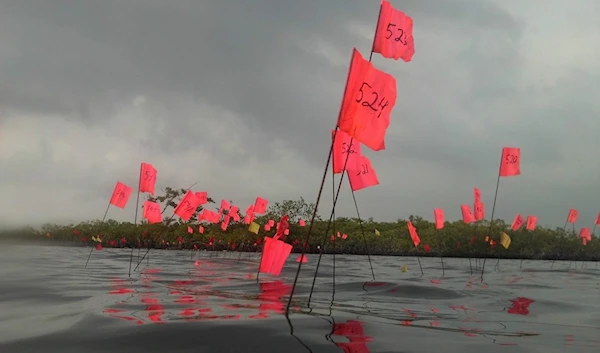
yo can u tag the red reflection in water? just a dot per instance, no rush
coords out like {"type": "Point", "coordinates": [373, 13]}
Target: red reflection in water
{"type": "Point", "coordinates": [272, 293]}
{"type": "Point", "coordinates": [520, 306]}
{"type": "Point", "coordinates": [354, 331]}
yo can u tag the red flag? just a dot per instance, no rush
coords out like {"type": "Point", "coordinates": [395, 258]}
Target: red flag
{"type": "Point", "coordinates": [413, 234]}
{"type": "Point", "coordinates": [152, 212]}
{"type": "Point", "coordinates": [202, 197]}
{"type": "Point", "coordinates": [573, 214]}
{"type": "Point", "coordinates": [120, 195]}
{"type": "Point", "coordinates": [225, 205]}
{"type": "Point", "coordinates": [364, 177]}
{"type": "Point", "coordinates": [585, 234]}
{"type": "Point", "coordinates": [260, 206]}
{"type": "Point", "coordinates": [598, 218]}
{"type": "Point", "coordinates": [517, 222]}
{"type": "Point", "coordinates": [476, 196]}
{"type": "Point", "coordinates": [511, 162]}
{"type": "Point", "coordinates": [187, 207]}
{"type": "Point", "coordinates": [344, 147]}
{"type": "Point", "coordinates": [479, 211]}
{"type": "Point", "coordinates": [147, 178]}
{"type": "Point", "coordinates": [438, 215]}
{"type": "Point", "coordinates": [394, 34]}
{"type": "Point", "coordinates": [467, 214]}
{"type": "Point", "coordinates": [531, 222]}
{"type": "Point", "coordinates": [369, 98]}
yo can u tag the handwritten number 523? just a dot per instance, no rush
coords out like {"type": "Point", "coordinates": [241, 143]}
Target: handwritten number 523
{"type": "Point", "coordinates": [401, 38]}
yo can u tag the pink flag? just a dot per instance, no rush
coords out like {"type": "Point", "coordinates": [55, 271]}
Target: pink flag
{"type": "Point", "coordinates": [517, 222]}
{"type": "Point", "coordinates": [413, 234]}
{"type": "Point", "coordinates": [394, 34]}
{"type": "Point", "coordinates": [302, 223]}
{"type": "Point", "coordinates": [187, 207]}
{"type": "Point", "coordinates": [511, 162]}
{"type": "Point", "coordinates": [467, 214]}
{"type": "Point", "coordinates": [225, 206]}
{"type": "Point", "coordinates": [573, 215]}
{"type": "Point", "coordinates": [147, 178]}
{"type": "Point", "coordinates": [344, 147]}
{"type": "Point", "coordinates": [585, 234]}
{"type": "Point", "coordinates": [531, 222]}
{"type": "Point", "coordinates": [120, 195]}
{"type": "Point", "coordinates": [152, 212]}
{"type": "Point", "coordinates": [438, 215]}
{"type": "Point", "coordinates": [364, 177]}
{"type": "Point", "coordinates": [477, 196]}
{"type": "Point", "coordinates": [202, 197]}
{"type": "Point", "coordinates": [260, 206]}
{"type": "Point", "coordinates": [479, 211]}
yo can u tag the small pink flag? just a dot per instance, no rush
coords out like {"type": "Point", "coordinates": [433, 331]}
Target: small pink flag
{"type": "Point", "coordinates": [517, 222]}
{"type": "Point", "coordinates": [467, 214]}
{"type": "Point", "coordinates": [363, 178]}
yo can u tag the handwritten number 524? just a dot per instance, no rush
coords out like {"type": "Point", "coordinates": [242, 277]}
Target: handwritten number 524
{"type": "Point", "coordinates": [401, 38]}
{"type": "Point", "coordinates": [371, 105]}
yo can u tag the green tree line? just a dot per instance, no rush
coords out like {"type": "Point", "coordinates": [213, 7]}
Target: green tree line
{"type": "Point", "coordinates": [456, 239]}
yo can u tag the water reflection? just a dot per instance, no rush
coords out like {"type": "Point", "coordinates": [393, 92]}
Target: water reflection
{"type": "Point", "coordinates": [458, 304]}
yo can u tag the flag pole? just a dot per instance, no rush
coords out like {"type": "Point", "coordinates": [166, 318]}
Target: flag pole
{"type": "Point", "coordinates": [342, 176]}
{"type": "Point", "coordinates": [103, 219]}
{"type": "Point", "coordinates": [137, 205]}
{"type": "Point", "coordinates": [162, 230]}
{"type": "Point", "coordinates": [492, 216]}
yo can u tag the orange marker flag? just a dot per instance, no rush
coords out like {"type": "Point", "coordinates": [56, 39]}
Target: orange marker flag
{"type": "Point", "coordinates": [364, 177]}
{"type": "Point", "coordinates": [531, 222]}
{"type": "Point", "coordinates": [152, 212]}
{"type": "Point", "coordinates": [438, 215]}
{"type": "Point", "coordinates": [345, 147]}
{"type": "Point", "coordinates": [467, 214]}
{"type": "Point", "coordinates": [369, 98]}
{"type": "Point", "coordinates": [186, 208]}
{"type": "Point", "coordinates": [120, 195]}
{"type": "Point", "coordinates": [413, 234]}
{"type": "Point", "coordinates": [511, 162]}
{"type": "Point", "coordinates": [517, 222]}
{"type": "Point", "coordinates": [147, 178]}
{"type": "Point", "coordinates": [394, 34]}
{"type": "Point", "coordinates": [479, 211]}
{"type": "Point", "coordinates": [573, 215]}
{"type": "Point", "coordinates": [260, 206]}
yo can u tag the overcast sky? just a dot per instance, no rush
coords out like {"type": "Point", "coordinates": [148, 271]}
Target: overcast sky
{"type": "Point", "coordinates": [241, 96]}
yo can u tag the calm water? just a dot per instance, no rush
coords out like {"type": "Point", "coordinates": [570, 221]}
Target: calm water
{"type": "Point", "coordinates": [50, 303]}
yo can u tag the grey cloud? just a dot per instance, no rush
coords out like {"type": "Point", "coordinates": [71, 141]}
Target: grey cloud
{"type": "Point", "coordinates": [231, 84]}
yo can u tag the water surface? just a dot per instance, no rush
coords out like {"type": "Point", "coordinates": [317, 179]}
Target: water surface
{"type": "Point", "coordinates": [181, 301]}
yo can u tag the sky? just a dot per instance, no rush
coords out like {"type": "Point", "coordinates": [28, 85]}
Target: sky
{"type": "Point", "coordinates": [241, 96]}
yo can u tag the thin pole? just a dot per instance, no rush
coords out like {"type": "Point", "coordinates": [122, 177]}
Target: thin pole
{"type": "Point", "coordinates": [333, 198]}
{"type": "Point", "coordinates": [287, 309]}
{"type": "Point", "coordinates": [92, 249]}
{"type": "Point", "coordinates": [492, 217]}
{"type": "Point", "coordinates": [312, 221]}
{"type": "Point", "coordinates": [137, 205]}
{"type": "Point", "coordinates": [362, 229]}
{"type": "Point", "coordinates": [162, 230]}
